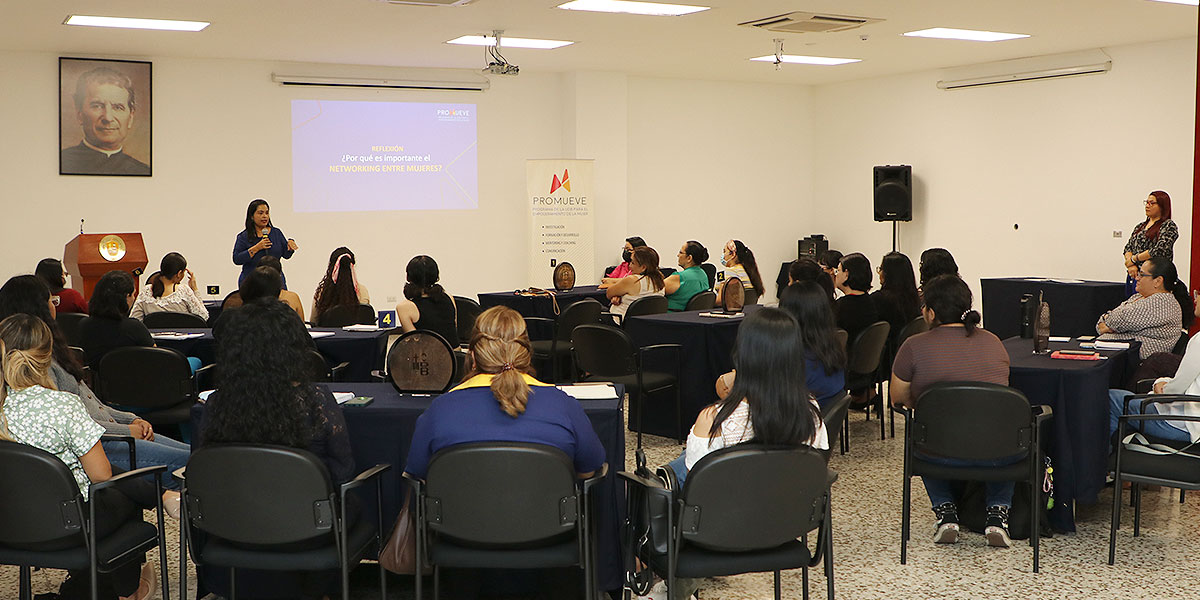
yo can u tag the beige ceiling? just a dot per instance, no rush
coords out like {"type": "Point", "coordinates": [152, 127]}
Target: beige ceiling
{"type": "Point", "coordinates": [707, 45]}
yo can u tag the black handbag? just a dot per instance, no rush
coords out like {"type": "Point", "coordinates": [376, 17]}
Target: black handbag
{"type": "Point", "coordinates": [647, 524]}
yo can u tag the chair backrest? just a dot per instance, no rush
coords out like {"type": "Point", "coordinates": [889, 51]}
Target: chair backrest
{"type": "Point", "coordinates": [1181, 344]}
{"type": "Point", "coordinates": [69, 324]}
{"type": "Point", "coordinates": [40, 497]}
{"type": "Point", "coordinates": [225, 486]}
{"type": "Point", "coordinates": [466, 311]}
{"type": "Point", "coordinates": [421, 361]}
{"type": "Point", "coordinates": [833, 415]}
{"type": "Point", "coordinates": [497, 494]}
{"type": "Point", "coordinates": [646, 305]}
{"type": "Point", "coordinates": [169, 319]}
{"type": "Point", "coordinates": [710, 270]}
{"type": "Point", "coordinates": [750, 497]}
{"type": "Point", "coordinates": [146, 378]}
{"type": "Point", "coordinates": [232, 300]}
{"type": "Point", "coordinates": [703, 301]}
{"type": "Point", "coordinates": [347, 314]}
{"type": "Point", "coordinates": [576, 314]}
{"type": "Point", "coordinates": [733, 295]}
{"type": "Point", "coordinates": [842, 336]}
{"type": "Point", "coordinates": [318, 367]}
{"type": "Point", "coordinates": [913, 327]}
{"type": "Point", "coordinates": [751, 296]}
{"type": "Point", "coordinates": [972, 420]}
{"type": "Point", "coordinates": [867, 348]}
{"type": "Point", "coordinates": [604, 351]}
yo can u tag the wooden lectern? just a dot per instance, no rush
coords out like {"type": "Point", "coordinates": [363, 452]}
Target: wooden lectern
{"type": "Point", "coordinates": [91, 255]}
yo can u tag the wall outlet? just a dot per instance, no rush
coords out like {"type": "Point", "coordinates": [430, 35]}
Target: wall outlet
{"type": "Point", "coordinates": [1116, 233]}
{"type": "Point", "coordinates": [391, 299]}
{"type": "Point", "coordinates": [213, 290]}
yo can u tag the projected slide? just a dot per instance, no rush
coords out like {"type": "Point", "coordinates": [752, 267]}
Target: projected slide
{"type": "Point", "coordinates": [371, 156]}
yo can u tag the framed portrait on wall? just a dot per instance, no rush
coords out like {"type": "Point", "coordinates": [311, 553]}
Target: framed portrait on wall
{"type": "Point", "coordinates": [105, 116]}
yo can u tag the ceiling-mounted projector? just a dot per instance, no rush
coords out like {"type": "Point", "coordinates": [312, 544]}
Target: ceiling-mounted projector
{"type": "Point", "coordinates": [501, 68]}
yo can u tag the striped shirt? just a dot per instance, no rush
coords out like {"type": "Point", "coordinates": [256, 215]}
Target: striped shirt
{"type": "Point", "coordinates": [946, 353]}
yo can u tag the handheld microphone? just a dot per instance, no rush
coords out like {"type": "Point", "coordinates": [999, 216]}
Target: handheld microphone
{"type": "Point", "coordinates": [266, 231]}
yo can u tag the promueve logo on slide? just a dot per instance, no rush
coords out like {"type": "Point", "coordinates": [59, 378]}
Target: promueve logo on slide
{"type": "Point", "coordinates": [565, 183]}
{"type": "Point", "coordinates": [453, 114]}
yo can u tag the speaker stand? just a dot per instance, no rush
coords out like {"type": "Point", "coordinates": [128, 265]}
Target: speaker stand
{"type": "Point", "coordinates": [895, 229]}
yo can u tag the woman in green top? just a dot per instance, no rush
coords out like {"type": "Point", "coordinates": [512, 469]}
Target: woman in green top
{"type": "Point", "coordinates": [691, 280]}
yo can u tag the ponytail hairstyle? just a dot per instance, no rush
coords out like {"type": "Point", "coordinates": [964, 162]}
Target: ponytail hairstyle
{"type": "Point", "coordinates": [168, 268]}
{"type": "Point", "coordinates": [423, 275]}
{"type": "Point", "coordinates": [500, 346]}
{"type": "Point", "coordinates": [50, 270]}
{"type": "Point", "coordinates": [697, 251]}
{"type": "Point", "coordinates": [1161, 267]}
{"type": "Point", "coordinates": [26, 351]}
{"type": "Point", "coordinates": [746, 258]}
{"type": "Point", "coordinates": [1164, 213]}
{"type": "Point", "coordinates": [110, 297]}
{"type": "Point", "coordinates": [339, 286]}
{"type": "Point", "coordinates": [950, 300]}
{"type": "Point", "coordinates": [28, 294]}
{"type": "Point", "coordinates": [648, 258]}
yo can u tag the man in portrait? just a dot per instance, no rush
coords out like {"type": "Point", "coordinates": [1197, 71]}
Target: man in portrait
{"type": "Point", "coordinates": [105, 107]}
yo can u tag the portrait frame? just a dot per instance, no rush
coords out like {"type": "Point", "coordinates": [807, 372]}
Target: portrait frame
{"type": "Point", "coordinates": [133, 138]}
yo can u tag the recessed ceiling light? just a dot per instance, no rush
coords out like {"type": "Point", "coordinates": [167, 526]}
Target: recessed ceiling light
{"type": "Point", "coordinates": [1188, 2]}
{"type": "Point", "coordinates": [808, 60]}
{"type": "Point", "coordinates": [509, 42]}
{"type": "Point", "coordinates": [635, 8]}
{"type": "Point", "coordinates": [131, 23]}
{"type": "Point", "coordinates": [947, 33]}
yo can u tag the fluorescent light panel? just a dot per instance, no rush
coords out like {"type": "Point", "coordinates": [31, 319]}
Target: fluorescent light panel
{"type": "Point", "coordinates": [947, 33]}
{"type": "Point", "coordinates": [808, 60]}
{"type": "Point", "coordinates": [1188, 2]}
{"type": "Point", "coordinates": [131, 23]}
{"type": "Point", "coordinates": [509, 42]}
{"type": "Point", "coordinates": [634, 8]}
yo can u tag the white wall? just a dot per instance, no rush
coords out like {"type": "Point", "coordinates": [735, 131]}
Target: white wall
{"type": "Point", "coordinates": [1069, 160]}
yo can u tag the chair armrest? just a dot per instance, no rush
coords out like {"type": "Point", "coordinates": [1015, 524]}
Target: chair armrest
{"type": "Point", "coordinates": [1045, 412]}
{"type": "Point", "coordinates": [128, 439]}
{"type": "Point", "coordinates": [95, 487]}
{"type": "Point", "coordinates": [595, 478]}
{"type": "Point", "coordinates": [365, 476]}
{"type": "Point", "coordinates": [643, 350]}
{"type": "Point", "coordinates": [1150, 399]}
{"type": "Point", "coordinates": [1158, 417]}
{"type": "Point", "coordinates": [831, 477]}
{"type": "Point", "coordinates": [620, 319]}
{"type": "Point", "coordinates": [203, 375]}
{"type": "Point", "coordinates": [903, 410]}
{"type": "Point", "coordinates": [652, 486]}
{"type": "Point", "coordinates": [377, 376]}
{"type": "Point", "coordinates": [180, 473]}
{"type": "Point", "coordinates": [540, 319]}
{"type": "Point", "coordinates": [336, 373]}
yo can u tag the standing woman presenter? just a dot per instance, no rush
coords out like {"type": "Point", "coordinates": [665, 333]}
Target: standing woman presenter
{"type": "Point", "coordinates": [260, 239]}
{"type": "Point", "coordinates": [1153, 238]}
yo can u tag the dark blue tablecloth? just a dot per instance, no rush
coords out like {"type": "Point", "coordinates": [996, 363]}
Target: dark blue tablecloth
{"type": "Point", "coordinates": [707, 354]}
{"type": "Point", "coordinates": [362, 349]}
{"type": "Point", "coordinates": [382, 433]}
{"type": "Point", "coordinates": [542, 306]}
{"type": "Point", "coordinates": [1077, 391]}
{"type": "Point", "coordinates": [1074, 307]}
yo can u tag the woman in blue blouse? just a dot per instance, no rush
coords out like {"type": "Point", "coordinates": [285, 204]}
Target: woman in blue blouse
{"type": "Point", "coordinates": [260, 239]}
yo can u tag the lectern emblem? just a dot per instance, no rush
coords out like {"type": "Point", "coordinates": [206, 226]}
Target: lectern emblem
{"type": "Point", "coordinates": [112, 248]}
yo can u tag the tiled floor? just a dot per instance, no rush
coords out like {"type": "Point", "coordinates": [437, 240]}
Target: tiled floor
{"type": "Point", "coordinates": [1164, 562]}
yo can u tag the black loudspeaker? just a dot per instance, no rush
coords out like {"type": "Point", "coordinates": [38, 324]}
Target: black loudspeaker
{"type": "Point", "coordinates": [893, 193]}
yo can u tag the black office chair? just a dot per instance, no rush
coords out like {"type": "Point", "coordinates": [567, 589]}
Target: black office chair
{"type": "Point", "coordinates": [170, 319]}
{"type": "Point", "coordinates": [710, 270]}
{"type": "Point", "coordinates": [51, 515]}
{"type": "Point", "coordinates": [647, 305]}
{"type": "Point", "coordinates": [347, 314]}
{"type": "Point", "coordinates": [420, 361]}
{"type": "Point", "coordinates": [843, 338]}
{"type": "Point", "coordinates": [503, 505]}
{"type": "Point", "coordinates": [743, 509]}
{"type": "Point", "coordinates": [751, 296]}
{"type": "Point", "coordinates": [319, 368]}
{"type": "Point", "coordinates": [155, 383]}
{"type": "Point", "coordinates": [558, 347]}
{"type": "Point", "coordinates": [69, 324]}
{"type": "Point", "coordinates": [913, 327]}
{"type": "Point", "coordinates": [862, 363]}
{"type": "Point", "coordinates": [232, 300]}
{"type": "Point", "coordinates": [974, 421]}
{"type": "Point", "coordinates": [607, 353]}
{"type": "Point", "coordinates": [223, 500]}
{"type": "Point", "coordinates": [834, 417]}
{"type": "Point", "coordinates": [1175, 464]}
{"type": "Point", "coordinates": [466, 311]}
{"type": "Point", "coordinates": [703, 301]}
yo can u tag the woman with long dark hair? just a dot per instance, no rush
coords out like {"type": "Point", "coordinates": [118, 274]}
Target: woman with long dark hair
{"type": "Point", "coordinates": [954, 349]}
{"type": "Point", "coordinates": [108, 325]}
{"type": "Point", "coordinates": [896, 300]}
{"type": "Point", "coordinates": [163, 291]}
{"type": "Point", "coordinates": [739, 262]}
{"type": "Point", "coordinates": [644, 279]}
{"type": "Point", "coordinates": [426, 304]}
{"type": "Point", "coordinates": [51, 271]}
{"type": "Point", "coordinates": [807, 269]}
{"type": "Point", "coordinates": [26, 294]}
{"type": "Point", "coordinates": [937, 261]}
{"type": "Point", "coordinates": [288, 297]}
{"type": "Point", "coordinates": [260, 238]}
{"type": "Point", "coordinates": [1153, 238]}
{"type": "Point", "coordinates": [340, 286]}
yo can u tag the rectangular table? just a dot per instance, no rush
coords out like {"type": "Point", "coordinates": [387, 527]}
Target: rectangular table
{"type": "Point", "coordinates": [382, 433]}
{"type": "Point", "coordinates": [1077, 392]}
{"type": "Point", "coordinates": [1074, 307]}
{"type": "Point", "coordinates": [362, 349]}
{"type": "Point", "coordinates": [542, 306]}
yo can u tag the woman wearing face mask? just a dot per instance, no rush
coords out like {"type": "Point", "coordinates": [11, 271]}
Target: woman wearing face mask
{"type": "Point", "coordinates": [739, 262]}
{"type": "Point", "coordinates": [622, 270]}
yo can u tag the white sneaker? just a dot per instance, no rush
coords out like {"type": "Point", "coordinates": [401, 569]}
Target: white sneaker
{"type": "Point", "coordinates": [659, 592]}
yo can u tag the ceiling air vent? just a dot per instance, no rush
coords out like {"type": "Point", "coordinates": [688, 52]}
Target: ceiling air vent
{"type": "Point", "coordinates": [429, 2]}
{"type": "Point", "coordinates": [806, 22]}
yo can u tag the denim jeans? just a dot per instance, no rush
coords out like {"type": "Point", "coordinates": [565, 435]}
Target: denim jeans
{"type": "Point", "coordinates": [1158, 429]}
{"type": "Point", "coordinates": [680, 467]}
{"type": "Point", "coordinates": [941, 491]}
{"type": "Point", "coordinates": [162, 451]}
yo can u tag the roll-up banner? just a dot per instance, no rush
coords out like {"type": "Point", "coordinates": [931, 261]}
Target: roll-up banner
{"type": "Point", "coordinates": [560, 212]}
